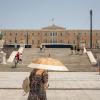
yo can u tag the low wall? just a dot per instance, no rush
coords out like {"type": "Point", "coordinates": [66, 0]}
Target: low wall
{"type": "Point", "coordinates": [91, 58]}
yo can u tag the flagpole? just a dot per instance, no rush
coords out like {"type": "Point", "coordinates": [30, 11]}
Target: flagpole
{"type": "Point", "coordinates": [52, 21]}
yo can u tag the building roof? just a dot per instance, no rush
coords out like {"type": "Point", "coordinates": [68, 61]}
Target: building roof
{"type": "Point", "coordinates": [54, 27]}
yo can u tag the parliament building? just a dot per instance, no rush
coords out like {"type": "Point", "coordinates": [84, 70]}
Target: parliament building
{"type": "Point", "coordinates": [52, 34]}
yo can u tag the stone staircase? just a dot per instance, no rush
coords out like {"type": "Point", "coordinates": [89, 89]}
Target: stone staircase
{"type": "Point", "coordinates": [73, 62]}
{"type": "Point", "coordinates": [29, 54]}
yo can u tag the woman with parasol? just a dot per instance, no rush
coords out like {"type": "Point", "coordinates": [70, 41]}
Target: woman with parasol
{"type": "Point", "coordinates": [39, 76]}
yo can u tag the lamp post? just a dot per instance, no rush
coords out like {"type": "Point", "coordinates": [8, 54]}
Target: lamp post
{"type": "Point", "coordinates": [27, 38]}
{"type": "Point", "coordinates": [1, 35]}
{"type": "Point", "coordinates": [90, 29]}
{"type": "Point", "coordinates": [1, 40]}
{"type": "Point", "coordinates": [15, 42]}
{"type": "Point", "coordinates": [78, 39]}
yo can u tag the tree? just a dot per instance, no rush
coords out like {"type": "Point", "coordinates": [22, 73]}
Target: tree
{"type": "Point", "coordinates": [1, 36]}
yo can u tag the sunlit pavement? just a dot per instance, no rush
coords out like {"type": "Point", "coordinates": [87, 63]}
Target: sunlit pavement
{"type": "Point", "coordinates": [62, 86]}
{"type": "Point", "coordinates": [80, 83]}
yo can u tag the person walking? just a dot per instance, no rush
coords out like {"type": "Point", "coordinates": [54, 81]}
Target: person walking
{"type": "Point", "coordinates": [39, 76]}
{"type": "Point", "coordinates": [38, 84]}
{"type": "Point", "coordinates": [20, 58]}
{"type": "Point", "coordinates": [41, 48]}
{"type": "Point", "coordinates": [71, 48]}
{"type": "Point", "coordinates": [75, 49]}
{"type": "Point", "coordinates": [16, 60]}
{"type": "Point", "coordinates": [17, 57]}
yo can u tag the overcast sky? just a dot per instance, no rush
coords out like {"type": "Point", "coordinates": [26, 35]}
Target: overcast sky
{"type": "Point", "coordinates": [35, 14]}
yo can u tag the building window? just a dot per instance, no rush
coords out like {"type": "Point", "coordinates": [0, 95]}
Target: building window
{"type": "Point", "coordinates": [56, 34]}
{"type": "Point", "coordinates": [16, 34]}
{"type": "Point", "coordinates": [60, 34]}
{"type": "Point", "coordinates": [53, 34]}
{"type": "Point", "coordinates": [15, 40]}
{"type": "Point", "coordinates": [50, 34]}
{"type": "Point", "coordinates": [53, 40]}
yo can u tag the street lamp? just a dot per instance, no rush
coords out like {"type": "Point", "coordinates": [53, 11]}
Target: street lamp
{"type": "Point", "coordinates": [1, 35]}
{"type": "Point", "coordinates": [27, 38]}
{"type": "Point", "coordinates": [91, 29]}
{"type": "Point", "coordinates": [78, 39]}
{"type": "Point", "coordinates": [15, 42]}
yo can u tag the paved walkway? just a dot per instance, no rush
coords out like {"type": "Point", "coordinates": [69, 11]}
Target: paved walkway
{"type": "Point", "coordinates": [72, 62]}
{"type": "Point", "coordinates": [63, 54]}
{"type": "Point", "coordinates": [63, 86]}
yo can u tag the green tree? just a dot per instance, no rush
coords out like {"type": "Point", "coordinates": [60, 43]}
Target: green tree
{"type": "Point", "coordinates": [1, 36]}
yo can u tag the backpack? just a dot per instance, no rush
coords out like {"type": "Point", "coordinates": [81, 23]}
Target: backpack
{"type": "Point", "coordinates": [25, 85]}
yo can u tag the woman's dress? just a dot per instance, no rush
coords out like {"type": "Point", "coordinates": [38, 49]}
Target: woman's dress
{"type": "Point", "coordinates": [37, 89]}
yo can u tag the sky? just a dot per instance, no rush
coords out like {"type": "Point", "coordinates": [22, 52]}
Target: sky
{"type": "Point", "coordinates": [35, 14]}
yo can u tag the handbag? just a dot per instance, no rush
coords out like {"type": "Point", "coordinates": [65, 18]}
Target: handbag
{"type": "Point", "coordinates": [25, 85]}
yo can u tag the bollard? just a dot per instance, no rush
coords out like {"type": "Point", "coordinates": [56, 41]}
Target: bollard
{"type": "Point", "coordinates": [4, 58]}
{"type": "Point", "coordinates": [98, 62]}
{"type": "Point", "coordinates": [99, 67]}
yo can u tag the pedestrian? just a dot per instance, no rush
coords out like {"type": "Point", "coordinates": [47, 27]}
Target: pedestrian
{"type": "Point", "coordinates": [75, 49]}
{"type": "Point", "coordinates": [78, 49]}
{"type": "Point", "coordinates": [39, 77]}
{"type": "Point", "coordinates": [49, 55]}
{"type": "Point", "coordinates": [82, 49]}
{"type": "Point", "coordinates": [17, 57]}
{"type": "Point", "coordinates": [20, 57]}
{"type": "Point", "coordinates": [44, 48]}
{"type": "Point", "coordinates": [98, 63]}
{"type": "Point", "coordinates": [41, 48]}
{"type": "Point", "coordinates": [71, 48]}
{"type": "Point", "coordinates": [38, 84]}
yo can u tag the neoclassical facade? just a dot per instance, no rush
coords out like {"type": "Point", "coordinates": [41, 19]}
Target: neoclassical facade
{"type": "Point", "coordinates": [51, 34]}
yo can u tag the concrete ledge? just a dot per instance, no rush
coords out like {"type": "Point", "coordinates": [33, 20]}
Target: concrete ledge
{"type": "Point", "coordinates": [12, 56]}
{"type": "Point", "coordinates": [21, 49]}
{"type": "Point", "coordinates": [91, 58]}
